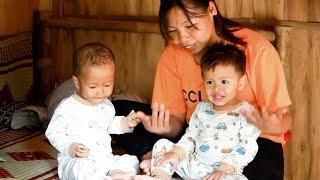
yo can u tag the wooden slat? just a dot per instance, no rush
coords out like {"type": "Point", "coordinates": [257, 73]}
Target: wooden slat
{"type": "Point", "coordinates": [135, 24]}
{"type": "Point", "coordinates": [292, 10]}
{"type": "Point", "coordinates": [314, 125]}
{"type": "Point", "coordinates": [103, 8]}
{"type": "Point", "coordinates": [103, 24]}
{"type": "Point", "coordinates": [298, 153]}
{"type": "Point", "coordinates": [150, 24]}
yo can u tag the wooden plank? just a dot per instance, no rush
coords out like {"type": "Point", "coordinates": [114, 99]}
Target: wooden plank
{"type": "Point", "coordinates": [106, 24]}
{"type": "Point", "coordinates": [133, 24]}
{"type": "Point", "coordinates": [272, 23]}
{"type": "Point", "coordinates": [283, 45]}
{"type": "Point", "coordinates": [296, 10]}
{"type": "Point", "coordinates": [298, 149]}
{"type": "Point", "coordinates": [64, 57]}
{"type": "Point", "coordinates": [111, 8]}
{"type": "Point", "coordinates": [290, 10]}
{"type": "Point", "coordinates": [314, 125]}
{"type": "Point", "coordinates": [150, 24]}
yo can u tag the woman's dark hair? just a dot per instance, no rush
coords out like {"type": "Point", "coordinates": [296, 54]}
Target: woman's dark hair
{"type": "Point", "coordinates": [223, 26]}
{"type": "Point", "coordinates": [221, 54]}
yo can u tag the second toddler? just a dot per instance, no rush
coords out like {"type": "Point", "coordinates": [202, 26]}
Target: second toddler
{"type": "Point", "coordinates": [219, 141]}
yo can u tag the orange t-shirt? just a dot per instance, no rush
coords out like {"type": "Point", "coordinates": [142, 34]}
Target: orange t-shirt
{"type": "Point", "coordinates": [178, 82]}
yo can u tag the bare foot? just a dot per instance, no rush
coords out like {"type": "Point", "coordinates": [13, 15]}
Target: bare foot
{"type": "Point", "coordinates": [144, 177]}
{"type": "Point", "coordinates": [145, 165]}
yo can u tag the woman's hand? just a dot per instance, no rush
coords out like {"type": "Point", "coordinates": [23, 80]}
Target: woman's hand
{"type": "Point", "coordinates": [216, 175]}
{"type": "Point", "coordinates": [276, 123]}
{"type": "Point", "coordinates": [168, 157]}
{"type": "Point", "coordinates": [158, 123]}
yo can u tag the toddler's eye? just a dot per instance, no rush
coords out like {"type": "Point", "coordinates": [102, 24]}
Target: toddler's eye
{"type": "Point", "coordinates": [107, 85]}
{"type": "Point", "coordinates": [92, 87]}
{"type": "Point", "coordinates": [225, 82]}
{"type": "Point", "coordinates": [209, 82]}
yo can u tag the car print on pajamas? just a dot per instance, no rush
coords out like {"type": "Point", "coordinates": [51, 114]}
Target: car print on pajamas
{"type": "Point", "coordinates": [222, 126]}
{"type": "Point", "coordinates": [241, 150]}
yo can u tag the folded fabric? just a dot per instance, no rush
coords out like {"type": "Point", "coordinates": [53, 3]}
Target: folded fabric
{"type": "Point", "coordinates": [25, 118]}
{"type": "Point", "coordinates": [2, 155]}
{"type": "Point", "coordinates": [6, 112]}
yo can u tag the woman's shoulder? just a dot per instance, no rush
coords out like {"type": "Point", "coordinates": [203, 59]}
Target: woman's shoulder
{"type": "Point", "coordinates": [253, 39]}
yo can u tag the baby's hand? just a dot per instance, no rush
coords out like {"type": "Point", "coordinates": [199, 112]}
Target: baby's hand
{"type": "Point", "coordinates": [168, 157]}
{"type": "Point", "coordinates": [79, 150]}
{"type": "Point", "coordinates": [133, 120]}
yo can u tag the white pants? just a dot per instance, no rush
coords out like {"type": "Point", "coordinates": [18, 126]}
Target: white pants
{"type": "Point", "coordinates": [95, 169]}
{"type": "Point", "coordinates": [189, 168]}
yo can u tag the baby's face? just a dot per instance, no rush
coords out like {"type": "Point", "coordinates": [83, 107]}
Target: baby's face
{"type": "Point", "coordinates": [222, 86]}
{"type": "Point", "coordinates": [95, 82]}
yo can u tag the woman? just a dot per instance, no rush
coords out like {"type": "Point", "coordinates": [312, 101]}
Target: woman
{"type": "Point", "coordinates": [189, 27]}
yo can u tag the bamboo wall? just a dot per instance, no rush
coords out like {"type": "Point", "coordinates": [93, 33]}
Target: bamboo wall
{"type": "Point", "coordinates": [298, 43]}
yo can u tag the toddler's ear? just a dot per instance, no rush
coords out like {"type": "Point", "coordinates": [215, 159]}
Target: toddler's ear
{"type": "Point", "coordinates": [76, 82]}
{"type": "Point", "coordinates": [242, 82]}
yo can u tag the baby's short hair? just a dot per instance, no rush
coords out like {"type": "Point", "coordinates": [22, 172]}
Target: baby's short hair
{"type": "Point", "coordinates": [221, 54]}
{"type": "Point", "coordinates": [91, 54]}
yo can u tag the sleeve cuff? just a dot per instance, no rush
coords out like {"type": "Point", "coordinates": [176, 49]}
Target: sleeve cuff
{"type": "Point", "coordinates": [125, 125]}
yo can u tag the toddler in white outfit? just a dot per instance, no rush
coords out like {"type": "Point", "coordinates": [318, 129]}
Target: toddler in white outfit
{"type": "Point", "coordinates": [81, 124]}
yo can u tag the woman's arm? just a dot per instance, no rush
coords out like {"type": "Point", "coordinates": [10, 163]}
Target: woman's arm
{"type": "Point", "coordinates": [267, 80]}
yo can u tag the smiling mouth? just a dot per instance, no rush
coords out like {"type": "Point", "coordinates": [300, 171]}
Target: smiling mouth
{"type": "Point", "coordinates": [189, 47]}
{"type": "Point", "coordinates": [218, 97]}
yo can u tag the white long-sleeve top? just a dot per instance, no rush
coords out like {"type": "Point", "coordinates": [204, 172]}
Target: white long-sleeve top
{"type": "Point", "coordinates": [76, 122]}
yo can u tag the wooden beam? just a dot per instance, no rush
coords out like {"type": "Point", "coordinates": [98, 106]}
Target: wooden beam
{"type": "Point", "coordinates": [130, 25]}
{"type": "Point", "coordinates": [150, 24]}
{"type": "Point", "coordinates": [268, 23]}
